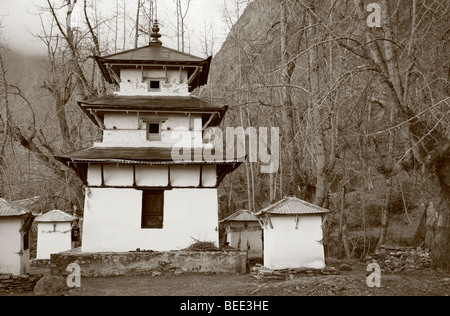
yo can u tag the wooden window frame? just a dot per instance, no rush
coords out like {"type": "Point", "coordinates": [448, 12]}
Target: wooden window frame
{"type": "Point", "coordinates": [155, 138]}
{"type": "Point", "coordinates": [145, 210]}
{"type": "Point", "coordinates": [149, 85]}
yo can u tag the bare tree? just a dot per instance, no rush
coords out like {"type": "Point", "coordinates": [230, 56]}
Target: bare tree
{"type": "Point", "coordinates": [68, 35]}
{"type": "Point", "coordinates": [182, 9]}
{"type": "Point", "coordinates": [124, 25]}
{"type": "Point", "coordinates": [136, 26]}
{"type": "Point", "coordinates": [4, 126]}
{"type": "Point", "coordinates": [416, 97]}
{"type": "Point", "coordinates": [30, 136]}
{"type": "Point", "coordinates": [208, 38]}
{"type": "Point", "coordinates": [64, 75]}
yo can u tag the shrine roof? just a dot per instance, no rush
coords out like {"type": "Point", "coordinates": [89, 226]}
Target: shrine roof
{"type": "Point", "coordinates": [292, 206]}
{"type": "Point", "coordinates": [241, 216]}
{"type": "Point", "coordinates": [11, 209]}
{"type": "Point", "coordinates": [54, 216]}
{"type": "Point", "coordinates": [141, 155]}
{"type": "Point", "coordinates": [159, 103]}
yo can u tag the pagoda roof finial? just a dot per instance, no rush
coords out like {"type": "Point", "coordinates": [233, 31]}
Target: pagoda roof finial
{"type": "Point", "coordinates": [155, 35]}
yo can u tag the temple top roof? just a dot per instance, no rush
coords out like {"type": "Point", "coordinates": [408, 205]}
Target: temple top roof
{"type": "Point", "coordinates": [153, 53]}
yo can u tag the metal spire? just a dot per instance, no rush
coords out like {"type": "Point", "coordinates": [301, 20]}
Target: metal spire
{"type": "Point", "coordinates": [155, 36]}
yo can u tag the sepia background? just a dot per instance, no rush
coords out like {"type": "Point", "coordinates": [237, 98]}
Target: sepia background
{"type": "Point", "coordinates": [363, 112]}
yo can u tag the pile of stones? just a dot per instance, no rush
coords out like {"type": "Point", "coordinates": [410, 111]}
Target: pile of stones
{"type": "Point", "coordinates": [18, 283]}
{"type": "Point", "coordinates": [263, 273]}
{"type": "Point", "coordinates": [401, 259]}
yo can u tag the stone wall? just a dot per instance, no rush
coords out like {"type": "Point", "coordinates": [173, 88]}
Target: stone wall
{"type": "Point", "coordinates": [39, 263]}
{"type": "Point", "coordinates": [260, 272]}
{"type": "Point", "coordinates": [18, 283]}
{"type": "Point", "coordinates": [145, 263]}
{"type": "Point", "coordinates": [399, 259]}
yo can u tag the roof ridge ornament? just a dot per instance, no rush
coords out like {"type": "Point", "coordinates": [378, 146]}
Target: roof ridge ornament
{"type": "Point", "coordinates": [155, 35]}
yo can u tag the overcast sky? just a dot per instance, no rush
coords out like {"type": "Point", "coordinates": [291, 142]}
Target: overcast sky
{"type": "Point", "coordinates": [19, 19]}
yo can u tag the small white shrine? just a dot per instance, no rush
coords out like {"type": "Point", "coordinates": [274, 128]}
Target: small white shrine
{"type": "Point", "coordinates": [15, 227]}
{"type": "Point", "coordinates": [244, 233]}
{"type": "Point", "coordinates": [293, 236]}
{"type": "Point", "coordinates": [54, 233]}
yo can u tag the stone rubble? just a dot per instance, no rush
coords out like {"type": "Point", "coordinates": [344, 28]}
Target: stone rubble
{"type": "Point", "coordinates": [401, 259]}
{"type": "Point", "coordinates": [18, 283]}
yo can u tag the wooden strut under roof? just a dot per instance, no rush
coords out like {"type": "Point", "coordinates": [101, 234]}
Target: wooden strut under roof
{"type": "Point", "coordinates": [113, 74]}
{"type": "Point", "coordinates": [97, 119]}
{"type": "Point", "coordinates": [143, 156]}
{"type": "Point", "coordinates": [95, 108]}
{"type": "Point", "coordinates": [220, 176]}
{"type": "Point", "coordinates": [194, 75]}
{"type": "Point", "coordinates": [113, 77]}
{"type": "Point", "coordinates": [198, 71]}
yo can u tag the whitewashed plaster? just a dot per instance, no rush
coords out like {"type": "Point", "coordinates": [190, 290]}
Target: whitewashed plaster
{"type": "Point", "coordinates": [246, 236]}
{"type": "Point", "coordinates": [11, 245]}
{"type": "Point", "coordinates": [53, 238]}
{"type": "Point", "coordinates": [288, 247]}
{"type": "Point", "coordinates": [112, 220]}
{"type": "Point", "coordinates": [133, 82]}
{"type": "Point", "coordinates": [152, 176]}
{"type": "Point", "coordinates": [122, 129]}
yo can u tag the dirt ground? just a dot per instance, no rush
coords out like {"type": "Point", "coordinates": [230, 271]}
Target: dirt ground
{"type": "Point", "coordinates": [352, 283]}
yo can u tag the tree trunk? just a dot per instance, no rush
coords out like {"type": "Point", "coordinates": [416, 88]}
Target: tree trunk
{"type": "Point", "coordinates": [314, 83]}
{"type": "Point", "coordinates": [116, 26]}
{"type": "Point", "coordinates": [182, 34]}
{"type": "Point", "coordinates": [4, 127]}
{"type": "Point", "coordinates": [385, 212]}
{"type": "Point", "coordinates": [421, 232]}
{"type": "Point", "coordinates": [343, 226]}
{"type": "Point", "coordinates": [388, 187]}
{"type": "Point", "coordinates": [124, 25]}
{"type": "Point", "coordinates": [178, 23]}
{"type": "Point", "coordinates": [437, 237]}
{"type": "Point", "coordinates": [136, 34]}
{"type": "Point", "coordinates": [60, 106]}
{"type": "Point", "coordinates": [286, 72]}
{"type": "Point", "coordinates": [96, 48]}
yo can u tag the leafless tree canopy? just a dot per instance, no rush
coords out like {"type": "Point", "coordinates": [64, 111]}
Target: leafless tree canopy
{"type": "Point", "coordinates": [364, 111]}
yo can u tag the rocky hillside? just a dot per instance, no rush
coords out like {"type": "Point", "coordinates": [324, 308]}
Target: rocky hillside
{"type": "Point", "coordinates": [253, 40]}
{"type": "Point", "coordinates": [246, 74]}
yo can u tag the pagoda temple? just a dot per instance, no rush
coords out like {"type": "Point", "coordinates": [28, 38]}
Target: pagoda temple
{"type": "Point", "coordinates": [138, 194]}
